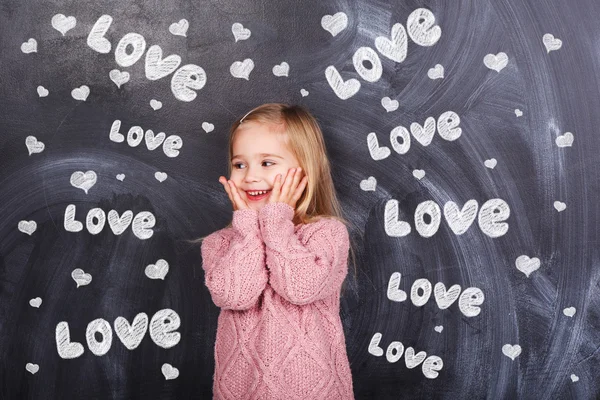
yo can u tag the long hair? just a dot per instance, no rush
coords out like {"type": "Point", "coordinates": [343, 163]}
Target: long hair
{"type": "Point", "coordinates": [305, 140]}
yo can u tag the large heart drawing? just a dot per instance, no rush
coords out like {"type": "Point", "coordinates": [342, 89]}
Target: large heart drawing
{"type": "Point", "coordinates": [527, 265]}
{"type": "Point", "coordinates": [335, 23]}
{"type": "Point", "coordinates": [242, 69]}
{"type": "Point", "coordinates": [83, 181]}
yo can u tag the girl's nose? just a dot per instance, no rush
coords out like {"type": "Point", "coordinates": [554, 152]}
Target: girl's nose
{"type": "Point", "coordinates": [252, 175]}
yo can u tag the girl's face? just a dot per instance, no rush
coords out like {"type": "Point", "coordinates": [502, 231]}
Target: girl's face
{"type": "Point", "coordinates": [259, 155]}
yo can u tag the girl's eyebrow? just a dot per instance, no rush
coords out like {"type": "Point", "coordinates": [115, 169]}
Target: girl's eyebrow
{"type": "Point", "coordinates": [262, 155]}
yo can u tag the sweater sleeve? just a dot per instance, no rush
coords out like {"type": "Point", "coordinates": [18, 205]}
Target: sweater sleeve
{"type": "Point", "coordinates": [308, 270]}
{"type": "Point", "coordinates": [234, 262]}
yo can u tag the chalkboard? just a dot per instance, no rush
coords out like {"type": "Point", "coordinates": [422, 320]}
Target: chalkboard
{"type": "Point", "coordinates": [463, 137]}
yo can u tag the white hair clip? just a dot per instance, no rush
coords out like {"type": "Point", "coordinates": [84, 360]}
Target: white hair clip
{"type": "Point", "coordinates": [242, 120]}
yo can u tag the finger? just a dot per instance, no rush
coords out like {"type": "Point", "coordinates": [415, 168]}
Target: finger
{"type": "Point", "coordinates": [300, 189]}
{"type": "Point", "coordinates": [276, 189]}
{"type": "Point", "coordinates": [297, 177]}
{"type": "Point", "coordinates": [236, 195]}
{"type": "Point", "coordinates": [294, 179]}
{"type": "Point", "coordinates": [288, 182]}
{"type": "Point", "coordinates": [242, 198]}
{"type": "Point", "coordinates": [225, 184]}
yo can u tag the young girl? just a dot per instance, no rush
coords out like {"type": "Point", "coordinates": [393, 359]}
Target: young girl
{"type": "Point", "coordinates": [277, 270]}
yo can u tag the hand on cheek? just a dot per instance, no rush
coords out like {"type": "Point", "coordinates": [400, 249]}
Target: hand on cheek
{"type": "Point", "coordinates": [235, 195]}
{"type": "Point", "coordinates": [290, 190]}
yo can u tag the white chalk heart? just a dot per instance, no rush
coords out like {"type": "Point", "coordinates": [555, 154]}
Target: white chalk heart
{"type": "Point", "coordinates": [518, 112]}
{"type": "Point", "coordinates": [152, 142]}
{"type": "Point", "coordinates": [158, 270]}
{"type": "Point", "coordinates": [131, 335]}
{"type": "Point", "coordinates": [335, 23]}
{"type": "Point", "coordinates": [438, 329]}
{"type": "Point", "coordinates": [169, 371]}
{"type": "Point", "coordinates": [27, 227]}
{"type": "Point", "coordinates": [418, 173]}
{"type": "Point", "coordinates": [160, 176]}
{"type": "Point", "coordinates": [394, 293]}
{"type": "Point", "coordinates": [394, 49]}
{"type": "Point", "coordinates": [368, 184]}
{"type": "Point", "coordinates": [179, 28]}
{"type": "Point", "coordinates": [63, 24]}
{"type": "Point", "coordinates": [157, 67]}
{"type": "Point", "coordinates": [155, 104]}
{"type": "Point", "coordinates": [496, 61]}
{"type": "Point", "coordinates": [33, 145]}
{"type": "Point", "coordinates": [423, 134]}
{"type": "Point", "coordinates": [80, 277]}
{"type": "Point", "coordinates": [32, 368]}
{"type": "Point", "coordinates": [394, 227]}
{"type": "Point", "coordinates": [304, 92]}
{"type": "Point", "coordinates": [551, 42]}
{"type": "Point", "coordinates": [29, 46]}
{"type": "Point", "coordinates": [565, 140]}
{"type": "Point", "coordinates": [42, 91]}
{"type": "Point", "coordinates": [36, 302]}
{"type": "Point", "coordinates": [81, 93]}
{"type": "Point", "coordinates": [436, 72]}
{"type": "Point", "coordinates": [527, 265]}
{"type": "Point", "coordinates": [83, 181]}
{"type": "Point", "coordinates": [343, 89]}
{"type": "Point", "coordinates": [511, 351]}
{"type": "Point", "coordinates": [559, 205]}
{"type": "Point", "coordinates": [208, 127]}
{"type": "Point", "coordinates": [117, 223]}
{"type": "Point", "coordinates": [389, 104]}
{"type": "Point", "coordinates": [411, 359]}
{"type": "Point", "coordinates": [491, 163]}
{"type": "Point", "coordinates": [569, 311]}
{"type": "Point", "coordinates": [239, 32]}
{"type": "Point", "coordinates": [444, 298]}
{"type": "Point", "coordinates": [119, 77]}
{"type": "Point", "coordinates": [121, 177]}
{"type": "Point", "coordinates": [574, 378]}
{"type": "Point", "coordinates": [460, 219]}
{"type": "Point", "coordinates": [282, 69]}
{"type": "Point", "coordinates": [377, 153]}
{"type": "Point", "coordinates": [242, 69]}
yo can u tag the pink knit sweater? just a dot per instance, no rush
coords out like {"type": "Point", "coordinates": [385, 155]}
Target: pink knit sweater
{"type": "Point", "coordinates": [279, 333]}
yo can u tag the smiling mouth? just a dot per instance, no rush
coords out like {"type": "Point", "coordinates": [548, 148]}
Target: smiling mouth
{"type": "Point", "coordinates": [257, 194]}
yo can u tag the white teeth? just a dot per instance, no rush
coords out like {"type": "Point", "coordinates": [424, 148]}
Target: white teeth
{"type": "Point", "coordinates": [257, 193]}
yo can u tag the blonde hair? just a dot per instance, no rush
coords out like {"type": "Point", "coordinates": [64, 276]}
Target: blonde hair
{"type": "Point", "coordinates": [305, 140]}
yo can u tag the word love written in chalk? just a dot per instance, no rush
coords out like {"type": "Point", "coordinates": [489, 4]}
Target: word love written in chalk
{"type": "Point", "coordinates": [170, 145]}
{"type": "Point", "coordinates": [394, 352]}
{"type": "Point", "coordinates": [184, 82]}
{"type": "Point", "coordinates": [447, 127]}
{"type": "Point", "coordinates": [162, 327]}
{"type": "Point", "coordinates": [421, 29]}
{"type": "Point", "coordinates": [96, 219]}
{"type": "Point", "coordinates": [420, 293]}
{"type": "Point", "coordinates": [491, 216]}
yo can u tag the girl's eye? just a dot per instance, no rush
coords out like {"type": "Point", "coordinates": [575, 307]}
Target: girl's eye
{"type": "Point", "coordinates": [236, 165]}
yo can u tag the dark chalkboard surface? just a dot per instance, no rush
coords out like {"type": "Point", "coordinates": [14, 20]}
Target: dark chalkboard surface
{"type": "Point", "coordinates": [463, 137]}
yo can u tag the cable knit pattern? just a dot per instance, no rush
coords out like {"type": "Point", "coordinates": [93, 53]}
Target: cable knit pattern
{"type": "Point", "coordinates": [279, 333]}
